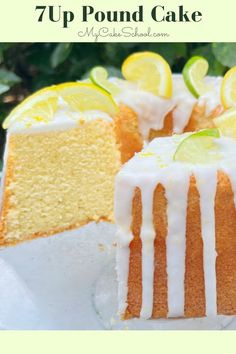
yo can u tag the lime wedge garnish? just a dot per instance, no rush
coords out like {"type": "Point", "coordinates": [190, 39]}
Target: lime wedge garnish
{"type": "Point", "coordinates": [99, 76]}
{"type": "Point", "coordinates": [226, 123]}
{"type": "Point", "coordinates": [198, 147]}
{"type": "Point", "coordinates": [194, 72]}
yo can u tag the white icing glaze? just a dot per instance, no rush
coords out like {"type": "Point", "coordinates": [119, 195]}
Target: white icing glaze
{"type": "Point", "coordinates": [152, 110]}
{"type": "Point", "coordinates": [211, 99]}
{"type": "Point", "coordinates": [124, 237]}
{"type": "Point", "coordinates": [176, 188]}
{"type": "Point", "coordinates": [64, 118]}
{"type": "Point", "coordinates": [122, 258]}
{"type": "Point", "coordinates": [147, 236]}
{"type": "Point", "coordinates": [145, 170]}
{"type": "Point", "coordinates": [207, 193]}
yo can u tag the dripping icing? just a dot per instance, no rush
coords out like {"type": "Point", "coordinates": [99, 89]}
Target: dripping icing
{"type": "Point", "coordinates": [152, 110]}
{"type": "Point", "coordinates": [155, 164]}
{"type": "Point", "coordinates": [207, 193]}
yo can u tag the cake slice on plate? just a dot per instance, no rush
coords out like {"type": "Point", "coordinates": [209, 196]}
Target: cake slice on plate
{"type": "Point", "coordinates": [65, 144]}
{"type": "Point", "coordinates": [175, 208]}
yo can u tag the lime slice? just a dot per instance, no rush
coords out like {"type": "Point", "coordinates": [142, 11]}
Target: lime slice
{"type": "Point", "coordinates": [150, 71]}
{"type": "Point", "coordinates": [99, 76]}
{"type": "Point", "coordinates": [40, 106]}
{"type": "Point", "coordinates": [226, 123]}
{"type": "Point", "coordinates": [82, 97]}
{"type": "Point", "coordinates": [198, 147]}
{"type": "Point", "coordinates": [194, 72]}
{"type": "Point", "coordinates": [228, 88]}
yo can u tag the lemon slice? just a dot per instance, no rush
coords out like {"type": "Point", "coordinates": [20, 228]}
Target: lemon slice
{"type": "Point", "coordinates": [82, 96]}
{"type": "Point", "coordinates": [228, 88]}
{"type": "Point", "coordinates": [150, 71]}
{"type": "Point", "coordinates": [226, 123]}
{"type": "Point", "coordinates": [194, 72]}
{"type": "Point", "coordinates": [40, 106]}
{"type": "Point", "coordinates": [198, 147]}
{"type": "Point", "coordinates": [99, 76]}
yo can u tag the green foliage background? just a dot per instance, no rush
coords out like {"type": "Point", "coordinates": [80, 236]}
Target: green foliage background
{"type": "Point", "coordinates": [26, 67]}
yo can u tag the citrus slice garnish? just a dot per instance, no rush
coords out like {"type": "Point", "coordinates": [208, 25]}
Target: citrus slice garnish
{"type": "Point", "coordinates": [198, 147]}
{"type": "Point", "coordinates": [99, 76]}
{"type": "Point", "coordinates": [40, 106]}
{"type": "Point", "coordinates": [226, 123]}
{"type": "Point", "coordinates": [150, 71]}
{"type": "Point", "coordinates": [82, 97]}
{"type": "Point", "coordinates": [228, 88]}
{"type": "Point", "coordinates": [194, 72]}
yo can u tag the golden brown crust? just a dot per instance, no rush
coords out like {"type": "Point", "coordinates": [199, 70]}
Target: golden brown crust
{"type": "Point", "coordinates": [127, 132]}
{"type": "Point", "coordinates": [52, 232]}
{"type": "Point", "coordinates": [197, 121]}
{"type": "Point", "coordinates": [226, 247]}
{"type": "Point", "coordinates": [194, 290]}
{"type": "Point", "coordinates": [160, 305]}
{"type": "Point", "coordinates": [225, 215]}
{"type": "Point", "coordinates": [135, 266]}
{"type": "Point", "coordinates": [6, 193]}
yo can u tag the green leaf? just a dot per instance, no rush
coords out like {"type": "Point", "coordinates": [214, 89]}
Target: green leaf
{"type": "Point", "coordinates": [60, 54]}
{"type": "Point", "coordinates": [115, 53]}
{"type": "Point", "coordinates": [225, 53]}
{"type": "Point", "coordinates": [3, 48]}
{"type": "Point", "coordinates": [215, 67]}
{"type": "Point", "coordinates": [170, 51]}
{"type": "Point", "coordinates": [3, 88]}
{"type": "Point", "coordinates": [8, 78]}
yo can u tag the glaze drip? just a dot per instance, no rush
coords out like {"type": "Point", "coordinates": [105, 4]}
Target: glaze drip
{"type": "Point", "coordinates": [153, 166]}
{"type": "Point", "coordinates": [152, 110]}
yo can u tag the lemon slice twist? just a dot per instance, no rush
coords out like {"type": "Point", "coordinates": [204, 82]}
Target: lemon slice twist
{"type": "Point", "coordinates": [228, 88]}
{"type": "Point", "coordinates": [150, 71]}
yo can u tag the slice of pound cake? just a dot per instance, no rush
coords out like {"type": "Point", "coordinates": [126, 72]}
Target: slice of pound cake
{"type": "Point", "coordinates": [65, 144]}
{"type": "Point", "coordinates": [175, 208]}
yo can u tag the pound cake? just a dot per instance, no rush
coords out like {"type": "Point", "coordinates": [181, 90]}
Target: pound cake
{"type": "Point", "coordinates": [65, 144]}
{"type": "Point", "coordinates": [175, 210]}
